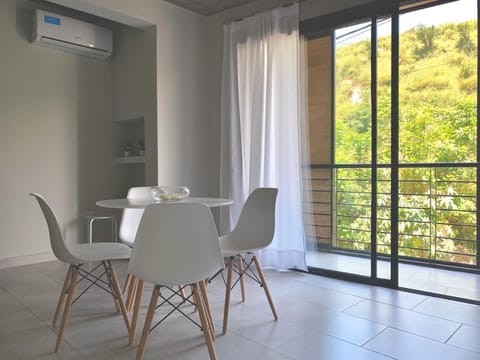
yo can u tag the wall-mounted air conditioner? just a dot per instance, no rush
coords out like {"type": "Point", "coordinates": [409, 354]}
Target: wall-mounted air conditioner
{"type": "Point", "coordinates": [72, 35]}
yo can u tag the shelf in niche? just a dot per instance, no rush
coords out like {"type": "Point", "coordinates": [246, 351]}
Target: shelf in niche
{"type": "Point", "coordinates": [130, 160]}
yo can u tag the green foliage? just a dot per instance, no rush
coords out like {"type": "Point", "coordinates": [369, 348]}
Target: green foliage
{"type": "Point", "coordinates": [437, 122]}
{"type": "Point", "coordinates": [425, 40]}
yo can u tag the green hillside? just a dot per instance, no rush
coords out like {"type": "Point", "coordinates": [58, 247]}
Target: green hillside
{"type": "Point", "coordinates": [437, 122]}
{"type": "Point", "coordinates": [438, 82]}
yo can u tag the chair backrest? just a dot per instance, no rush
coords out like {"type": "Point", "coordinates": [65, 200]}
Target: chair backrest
{"type": "Point", "coordinates": [256, 224]}
{"type": "Point", "coordinates": [176, 244]}
{"type": "Point", "coordinates": [56, 239]}
{"type": "Point", "coordinates": [131, 217]}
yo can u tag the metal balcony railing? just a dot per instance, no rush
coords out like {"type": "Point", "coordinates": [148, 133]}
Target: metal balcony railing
{"type": "Point", "coordinates": [437, 212]}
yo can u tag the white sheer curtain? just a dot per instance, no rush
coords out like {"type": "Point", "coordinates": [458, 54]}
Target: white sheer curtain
{"type": "Point", "coordinates": [261, 126]}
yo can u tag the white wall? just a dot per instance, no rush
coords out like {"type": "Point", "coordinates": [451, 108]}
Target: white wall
{"type": "Point", "coordinates": [183, 88]}
{"type": "Point", "coordinates": [55, 110]}
{"type": "Point", "coordinates": [56, 118]}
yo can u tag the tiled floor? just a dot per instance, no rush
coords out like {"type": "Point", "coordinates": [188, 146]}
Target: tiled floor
{"type": "Point", "coordinates": [425, 278]}
{"type": "Point", "coordinates": [319, 318]}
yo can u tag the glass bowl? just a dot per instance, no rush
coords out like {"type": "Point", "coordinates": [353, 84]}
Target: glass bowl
{"type": "Point", "coordinates": [169, 193]}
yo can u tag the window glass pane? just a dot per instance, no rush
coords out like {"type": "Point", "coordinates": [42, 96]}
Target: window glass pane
{"type": "Point", "coordinates": [384, 90]}
{"type": "Point", "coordinates": [353, 94]}
{"type": "Point", "coordinates": [438, 84]}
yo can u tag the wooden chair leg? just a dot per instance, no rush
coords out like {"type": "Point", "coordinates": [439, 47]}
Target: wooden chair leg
{"type": "Point", "coordinates": [131, 293]}
{"type": "Point", "coordinates": [127, 283]}
{"type": "Point", "coordinates": [109, 280]}
{"type": "Point", "coordinates": [68, 306]}
{"type": "Point", "coordinates": [118, 294]}
{"type": "Point", "coordinates": [148, 322]}
{"type": "Point", "coordinates": [208, 310]}
{"type": "Point", "coordinates": [193, 299]}
{"type": "Point", "coordinates": [181, 288]}
{"type": "Point", "coordinates": [207, 333]}
{"type": "Point", "coordinates": [227, 295]}
{"type": "Point", "coordinates": [63, 296]}
{"type": "Point", "coordinates": [242, 283]}
{"type": "Point", "coordinates": [136, 310]}
{"type": "Point", "coordinates": [265, 287]}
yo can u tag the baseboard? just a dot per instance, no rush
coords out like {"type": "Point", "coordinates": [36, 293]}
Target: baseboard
{"type": "Point", "coordinates": [26, 260]}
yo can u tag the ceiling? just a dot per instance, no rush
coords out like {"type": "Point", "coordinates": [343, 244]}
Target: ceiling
{"type": "Point", "coordinates": [208, 7]}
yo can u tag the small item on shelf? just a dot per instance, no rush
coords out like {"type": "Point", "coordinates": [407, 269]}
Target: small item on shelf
{"type": "Point", "coordinates": [169, 193]}
{"type": "Point", "coordinates": [127, 149]}
{"type": "Point", "coordinates": [140, 147]}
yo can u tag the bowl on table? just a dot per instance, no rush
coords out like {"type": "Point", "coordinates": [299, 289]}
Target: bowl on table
{"type": "Point", "coordinates": [169, 193]}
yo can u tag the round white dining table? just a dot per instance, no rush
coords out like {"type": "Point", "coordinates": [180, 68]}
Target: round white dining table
{"type": "Point", "coordinates": [143, 203]}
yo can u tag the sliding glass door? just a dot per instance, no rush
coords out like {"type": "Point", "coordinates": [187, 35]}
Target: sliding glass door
{"type": "Point", "coordinates": [438, 73]}
{"type": "Point", "coordinates": [392, 111]}
{"type": "Point", "coordinates": [350, 192]}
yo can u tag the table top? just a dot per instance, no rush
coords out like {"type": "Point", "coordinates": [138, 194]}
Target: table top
{"type": "Point", "coordinates": [143, 203]}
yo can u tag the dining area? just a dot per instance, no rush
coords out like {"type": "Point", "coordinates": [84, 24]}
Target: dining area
{"type": "Point", "coordinates": [99, 260]}
{"type": "Point", "coordinates": [169, 242]}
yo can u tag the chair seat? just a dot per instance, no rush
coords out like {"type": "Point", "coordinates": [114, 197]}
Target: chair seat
{"type": "Point", "coordinates": [100, 251]}
{"type": "Point", "coordinates": [229, 249]}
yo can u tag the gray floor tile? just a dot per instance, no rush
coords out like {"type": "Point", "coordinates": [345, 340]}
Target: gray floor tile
{"type": "Point", "coordinates": [18, 320]}
{"type": "Point", "coordinates": [407, 320]}
{"type": "Point", "coordinates": [25, 282]}
{"type": "Point", "coordinates": [330, 298]}
{"type": "Point", "coordinates": [340, 325]}
{"type": "Point", "coordinates": [34, 343]}
{"type": "Point", "coordinates": [451, 310]}
{"type": "Point", "coordinates": [316, 346]}
{"type": "Point", "coordinates": [405, 346]}
{"type": "Point", "coordinates": [8, 303]}
{"type": "Point", "coordinates": [388, 296]}
{"type": "Point", "coordinates": [467, 337]}
{"type": "Point", "coordinates": [270, 333]}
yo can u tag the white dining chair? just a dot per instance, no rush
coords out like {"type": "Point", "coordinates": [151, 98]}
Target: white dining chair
{"type": "Point", "coordinates": [254, 231]}
{"type": "Point", "coordinates": [77, 255]}
{"type": "Point", "coordinates": [131, 217]}
{"type": "Point", "coordinates": [127, 232]}
{"type": "Point", "coordinates": [176, 244]}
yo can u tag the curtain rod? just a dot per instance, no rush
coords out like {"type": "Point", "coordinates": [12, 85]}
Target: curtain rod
{"type": "Point", "coordinates": [248, 16]}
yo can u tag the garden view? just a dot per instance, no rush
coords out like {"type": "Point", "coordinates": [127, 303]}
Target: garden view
{"type": "Point", "coordinates": [437, 144]}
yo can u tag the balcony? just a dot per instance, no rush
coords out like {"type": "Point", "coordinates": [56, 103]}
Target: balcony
{"type": "Point", "coordinates": [347, 210]}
